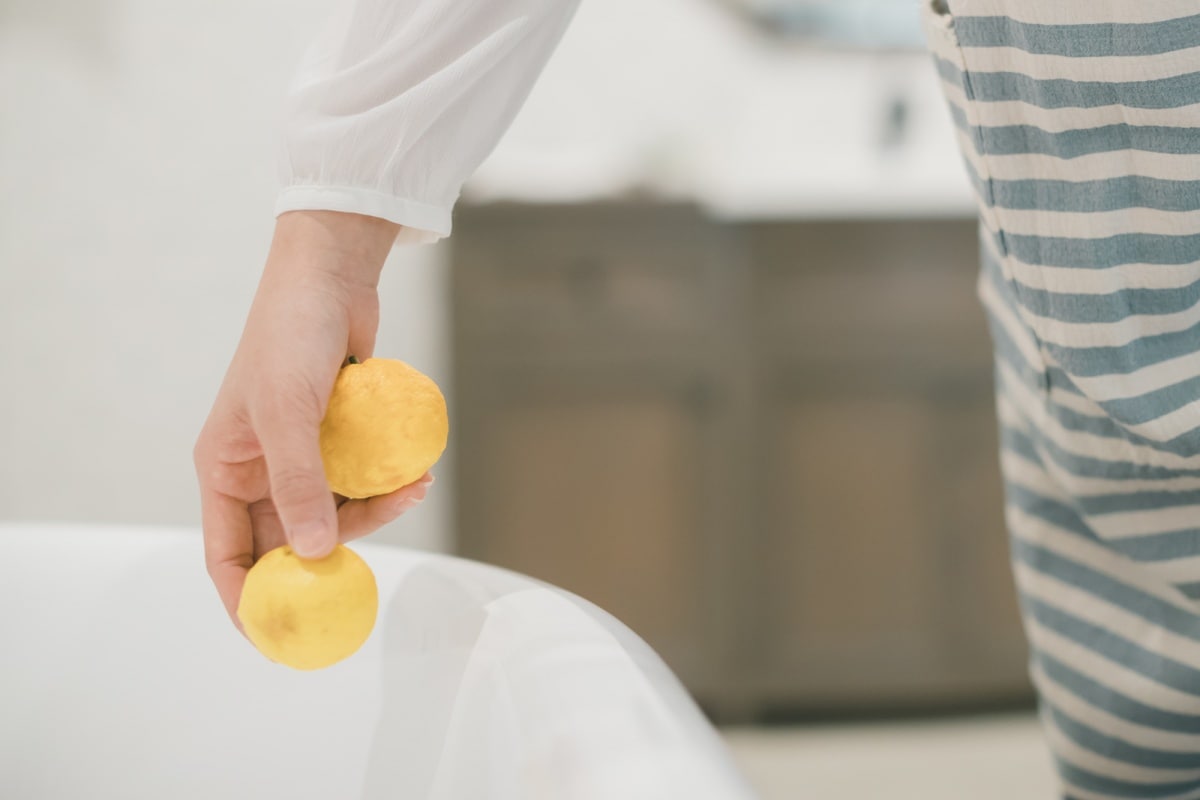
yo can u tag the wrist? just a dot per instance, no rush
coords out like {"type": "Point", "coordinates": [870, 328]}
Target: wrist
{"type": "Point", "coordinates": [349, 247]}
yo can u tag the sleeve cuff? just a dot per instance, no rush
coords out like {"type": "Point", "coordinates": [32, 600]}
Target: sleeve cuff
{"type": "Point", "coordinates": [420, 223]}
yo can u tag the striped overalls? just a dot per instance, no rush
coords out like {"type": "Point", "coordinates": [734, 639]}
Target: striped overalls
{"type": "Point", "coordinates": [1079, 123]}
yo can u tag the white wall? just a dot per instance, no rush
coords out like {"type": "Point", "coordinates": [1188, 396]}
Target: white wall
{"type": "Point", "coordinates": [137, 175]}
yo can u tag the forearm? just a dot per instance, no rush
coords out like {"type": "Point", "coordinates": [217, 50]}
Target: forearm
{"type": "Point", "coordinates": [348, 247]}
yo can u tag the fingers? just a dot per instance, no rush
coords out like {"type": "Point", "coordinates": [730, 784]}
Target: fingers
{"type": "Point", "coordinates": [357, 518]}
{"type": "Point", "coordinates": [294, 345]}
{"type": "Point", "coordinates": [228, 545]}
{"type": "Point", "coordinates": [268, 529]}
{"type": "Point", "coordinates": [288, 428]}
{"type": "Point", "coordinates": [228, 535]}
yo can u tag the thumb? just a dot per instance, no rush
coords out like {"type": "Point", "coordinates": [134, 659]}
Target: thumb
{"type": "Point", "coordinates": [290, 437]}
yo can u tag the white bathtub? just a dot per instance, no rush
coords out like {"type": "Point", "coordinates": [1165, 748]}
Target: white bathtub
{"type": "Point", "coordinates": [120, 677]}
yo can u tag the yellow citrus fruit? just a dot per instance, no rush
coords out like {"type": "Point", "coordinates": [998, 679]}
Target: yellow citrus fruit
{"type": "Point", "coordinates": [385, 426]}
{"type": "Point", "coordinates": [309, 613]}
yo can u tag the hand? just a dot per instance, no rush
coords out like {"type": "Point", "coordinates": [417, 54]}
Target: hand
{"type": "Point", "coordinates": [258, 459]}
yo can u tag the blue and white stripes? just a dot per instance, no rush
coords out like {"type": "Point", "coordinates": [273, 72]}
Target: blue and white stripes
{"type": "Point", "coordinates": [1079, 123]}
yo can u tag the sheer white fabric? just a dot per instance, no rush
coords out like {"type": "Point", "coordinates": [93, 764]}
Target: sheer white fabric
{"type": "Point", "coordinates": [397, 102]}
{"type": "Point", "coordinates": [477, 684]}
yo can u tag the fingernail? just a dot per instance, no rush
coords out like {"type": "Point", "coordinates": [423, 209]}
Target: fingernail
{"type": "Point", "coordinates": [428, 481]}
{"type": "Point", "coordinates": [309, 540]}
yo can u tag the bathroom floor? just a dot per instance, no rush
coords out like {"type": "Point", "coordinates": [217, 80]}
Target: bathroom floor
{"type": "Point", "coordinates": [984, 758]}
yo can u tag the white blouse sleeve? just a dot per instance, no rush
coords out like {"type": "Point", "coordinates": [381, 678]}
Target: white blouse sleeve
{"type": "Point", "coordinates": [399, 101]}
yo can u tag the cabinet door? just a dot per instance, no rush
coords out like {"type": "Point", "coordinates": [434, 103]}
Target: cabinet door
{"type": "Point", "coordinates": [850, 594]}
{"type": "Point", "coordinates": [596, 482]}
{"type": "Point", "coordinates": [888, 578]}
{"type": "Point", "coordinates": [881, 519]}
{"type": "Point", "coordinates": [987, 639]}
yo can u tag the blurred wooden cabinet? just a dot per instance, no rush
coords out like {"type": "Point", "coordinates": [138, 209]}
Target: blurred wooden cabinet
{"type": "Point", "coordinates": [769, 449]}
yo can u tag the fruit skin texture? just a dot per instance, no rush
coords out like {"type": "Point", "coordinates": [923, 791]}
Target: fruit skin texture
{"type": "Point", "coordinates": [309, 613]}
{"type": "Point", "coordinates": [385, 426]}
